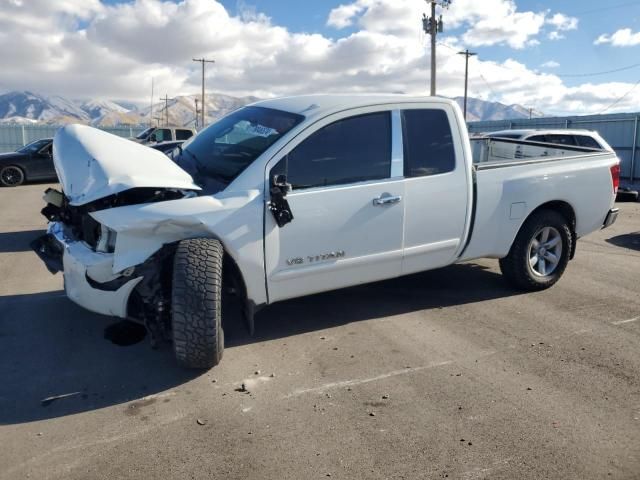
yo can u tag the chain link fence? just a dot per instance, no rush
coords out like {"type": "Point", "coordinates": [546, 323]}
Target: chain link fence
{"type": "Point", "coordinates": [13, 137]}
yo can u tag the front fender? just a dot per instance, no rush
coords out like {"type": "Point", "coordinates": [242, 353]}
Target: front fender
{"type": "Point", "coordinates": [235, 219]}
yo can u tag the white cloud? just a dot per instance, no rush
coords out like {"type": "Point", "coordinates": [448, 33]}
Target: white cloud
{"type": "Point", "coordinates": [550, 64]}
{"type": "Point", "coordinates": [621, 38]}
{"type": "Point", "coordinates": [120, 47]}
{"type": "Point", "coordinates": [563, 22]}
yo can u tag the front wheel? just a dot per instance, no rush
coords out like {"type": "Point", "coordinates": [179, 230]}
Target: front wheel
{"type": "Point", "coordinates": [11, 176]}
{"type": "Point", "coordinates": [540, 252]}
{"type": "Point", "coordinates": [196, 303]}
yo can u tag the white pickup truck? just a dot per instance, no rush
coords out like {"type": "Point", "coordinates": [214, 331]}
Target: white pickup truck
{"type": "Point", "coordinates": [294, 196]}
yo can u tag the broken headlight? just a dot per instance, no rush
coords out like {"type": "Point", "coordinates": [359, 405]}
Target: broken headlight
{"type": "Point", "coordinates": [107, 240]}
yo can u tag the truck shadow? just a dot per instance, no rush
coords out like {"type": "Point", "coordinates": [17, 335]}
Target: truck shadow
{"type": "Point", "coordinates": [51, 347]}
{"type": "Point", "coordinates": [12, 242]}
{"type": "Point", "coordinates": [454, 285]}
{"type": "Point", "coordinates": [628, 240]}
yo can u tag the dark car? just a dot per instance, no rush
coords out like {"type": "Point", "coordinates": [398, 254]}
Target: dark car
{"type": "Point", "coordinates": [166, 147]}
{"type": "Point", "coordinates": [31, 162]}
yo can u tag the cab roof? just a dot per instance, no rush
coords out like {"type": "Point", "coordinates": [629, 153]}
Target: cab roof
{"type": "Point", "coordinates": [326, 104]}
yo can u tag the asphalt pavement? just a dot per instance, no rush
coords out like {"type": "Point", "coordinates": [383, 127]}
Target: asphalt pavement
{"type": "Point", "coordinates": [444, 374]}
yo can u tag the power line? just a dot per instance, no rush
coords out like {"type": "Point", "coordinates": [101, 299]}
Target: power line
{"type": "Point", "coordinates": [621, 69]}
{"type": "Point", "coordinates": [619, 99]}
{"type": "Point", "coordinates": [491, 90]}
{"type": "Point", "coordinates": [608, 7]}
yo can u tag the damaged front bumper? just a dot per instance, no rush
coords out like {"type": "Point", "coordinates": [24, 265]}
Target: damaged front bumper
{"type": "Point", "coordinates": [88, 275]}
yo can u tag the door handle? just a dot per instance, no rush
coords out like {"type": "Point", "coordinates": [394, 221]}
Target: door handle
{"type": "Point", "coordinates": [386, 200]}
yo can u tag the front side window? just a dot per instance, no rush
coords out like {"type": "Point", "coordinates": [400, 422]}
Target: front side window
{"type": "Point", "coordinates": [427, 143]}
{"type": "Point", "coordinates": [355, 149]}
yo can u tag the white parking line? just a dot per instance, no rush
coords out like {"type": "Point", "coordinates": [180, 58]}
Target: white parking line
{"type": "Point", "coordinates": [620, 322]}
{"type": "Point", "coordinates": [348, 383]}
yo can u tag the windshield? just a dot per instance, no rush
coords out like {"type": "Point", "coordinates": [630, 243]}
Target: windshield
{"type": "Point", "coordinates": [34, 146]}
{"type": "Point", "coordinates": [224, 149]}
{"type": "Point", "coordinates": [145, 133]}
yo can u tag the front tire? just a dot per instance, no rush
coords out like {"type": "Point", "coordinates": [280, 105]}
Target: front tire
{"type": "Point", "coordinates": [540, 253]}
{"type": "Point", "coordinates": [11, 176]}
{"type": "Point", "coordinates": [196, 303]}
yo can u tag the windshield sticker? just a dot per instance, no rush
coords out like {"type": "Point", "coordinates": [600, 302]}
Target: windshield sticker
{"type": "Point", "coordinates": [260, 130]}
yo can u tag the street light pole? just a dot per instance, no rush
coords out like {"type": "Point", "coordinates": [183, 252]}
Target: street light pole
{"type": "Point", "coordinates": [203, 61]}
{"type": "Point", "coordinates": [466, 54]}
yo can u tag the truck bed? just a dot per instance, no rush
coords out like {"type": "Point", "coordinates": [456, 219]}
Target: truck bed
{"type": "Point", "coordinates": [514, 177]}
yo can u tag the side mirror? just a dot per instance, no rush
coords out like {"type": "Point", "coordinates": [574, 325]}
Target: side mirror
{"type": "Point", "coordinates": [280, 181]}
{"type": "Point", "coordinates": [278, 205]}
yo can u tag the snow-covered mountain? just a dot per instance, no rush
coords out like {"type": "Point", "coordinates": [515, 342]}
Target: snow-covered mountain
{"type": "Point", "coordinates": [182, 109]}
{"type": "Point", "coordinates": [27, 107]}
{"type": "Point", "coordinates": [483, 110]}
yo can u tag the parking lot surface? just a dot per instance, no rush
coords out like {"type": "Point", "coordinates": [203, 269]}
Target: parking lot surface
{"type": "Point", "coordinates": [444, 374]}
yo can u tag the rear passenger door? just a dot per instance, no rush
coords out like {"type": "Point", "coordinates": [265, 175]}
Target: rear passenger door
{"type": "Point", "coordinates": [347, 202]}
{"type": "Point", "coordinates": [436, 189]}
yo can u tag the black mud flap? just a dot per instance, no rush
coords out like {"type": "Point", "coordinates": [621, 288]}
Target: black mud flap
{"type": "Point", "coordinates": [50, 252]}
{"type": "Point", "coordinates": [611, 217]}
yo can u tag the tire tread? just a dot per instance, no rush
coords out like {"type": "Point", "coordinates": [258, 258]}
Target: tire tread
{"type": "Point", "coordinates": [196, 315]}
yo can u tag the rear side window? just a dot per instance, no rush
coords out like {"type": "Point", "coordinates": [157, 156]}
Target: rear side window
{"type": "Point", "coordinates": [427, 143]}
{"type": "Point", "coordinates": [538, 138]}
{"type": "Point", "coordinates": [561, 139]}
{"type": "Point", "coordinates": [355, 149]}
{"type": "Point", "coordinates": [183, 134]}
{"type": "Point", "coordinates": [586, 141]}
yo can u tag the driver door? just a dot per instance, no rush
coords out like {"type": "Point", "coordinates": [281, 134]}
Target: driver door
{"type": "Point", "coordinates": [42, 162]}
{"type": "Point", "coordinates": [347, 209]}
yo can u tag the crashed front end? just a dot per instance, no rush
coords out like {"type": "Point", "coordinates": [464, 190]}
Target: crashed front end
{"type": "Point", "coordinates": [99, 172]}
{"type": "Point", "coordinates": [83, 249]}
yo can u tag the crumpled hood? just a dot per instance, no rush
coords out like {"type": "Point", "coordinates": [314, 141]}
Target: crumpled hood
{"type": "Point", "coordinates": [92, 164]}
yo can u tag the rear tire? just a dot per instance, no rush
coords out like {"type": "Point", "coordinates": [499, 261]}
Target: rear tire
{"type": "Point", "coordinates": [540, 252]}
{"type": "Point", "coordinates": [11, 176]}
{"type": "Point", "coordinates": [196, 303]}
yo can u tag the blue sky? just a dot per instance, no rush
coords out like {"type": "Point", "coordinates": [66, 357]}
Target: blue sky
{"type": "Point", "coordinates": [533, 53]}
{"type": "Point", "coordinates": [576, 53]}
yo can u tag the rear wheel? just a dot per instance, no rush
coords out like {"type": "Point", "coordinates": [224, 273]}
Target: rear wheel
{"type": "Point", "coordinates": [196, 299]}
{"type": "Point", "coordinates": [540, 252]}
{"type": "Point", "coordinates": [11, 176]}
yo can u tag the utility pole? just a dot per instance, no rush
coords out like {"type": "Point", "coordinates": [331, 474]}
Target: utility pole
{"type": "Point", "coordinates": [433, 26]}
{"type": "Point", "coordinates": [197, 111]}
{"type": "Point", "coordinates": [203, 61]}
{"type": "Point", "coordinates": [530, 112]}
{"type": "Point", "coordinates": [166, 109]}
{"type": "Point", "coordinates": [151, 106]}
{"type": "Point", "coordinates": [466, 54]}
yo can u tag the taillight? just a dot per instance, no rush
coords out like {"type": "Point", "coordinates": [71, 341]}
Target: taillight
{"type": "Point", "coordinates": [615, 177]}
